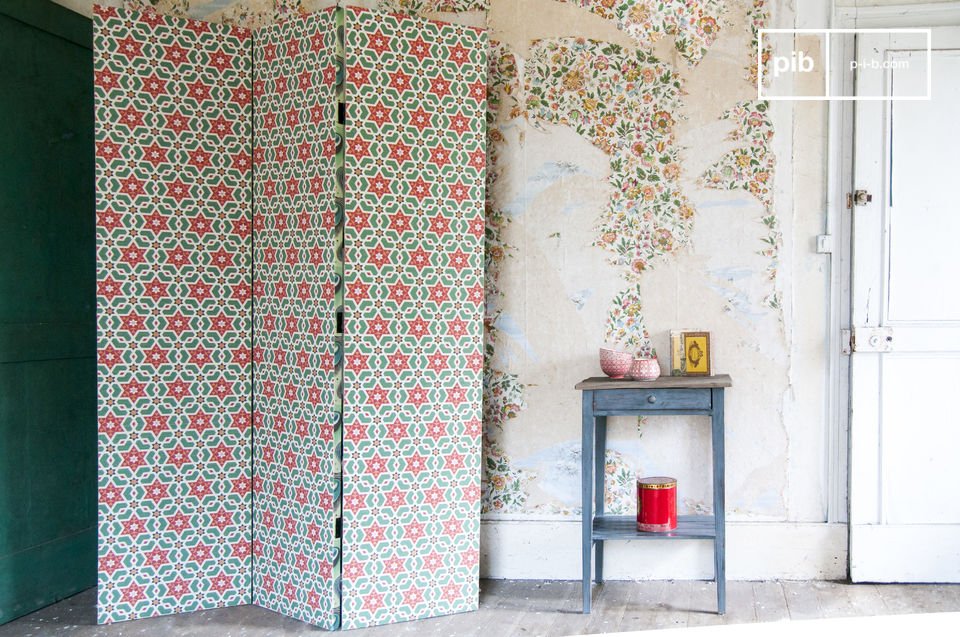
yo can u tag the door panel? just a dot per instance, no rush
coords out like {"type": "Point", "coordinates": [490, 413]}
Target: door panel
{"type": "Point", "coordinates": [920, 438]}
{"type": "Point", "coordinates": [909, 553]}
{"type": "Point", "coordinates": [923, 210]}
{"type": "Point", "coordinates": [904, 520]}
{"type": "Point", "coordinates": [47, 342]}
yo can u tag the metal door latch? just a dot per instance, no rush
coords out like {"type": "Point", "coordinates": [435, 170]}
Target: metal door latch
{"type": "Point", "coordinates": [858, 198]}
{"type": "Point", "coordinates": [871, 339]}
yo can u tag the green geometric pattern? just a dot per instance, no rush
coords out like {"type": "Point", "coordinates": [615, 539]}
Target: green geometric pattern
{"type": "Point", "coordinates": [296, 469]}
{"type": "Point", "coordinates": [414, 170]}
{"type": "Point", "coordinates": [173, 112]}
{"type": "Point", "coordinates": [231, 203]}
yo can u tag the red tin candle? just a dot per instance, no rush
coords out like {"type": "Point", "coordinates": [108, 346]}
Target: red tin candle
{"type": "Point", "coordinates": [656, 504]}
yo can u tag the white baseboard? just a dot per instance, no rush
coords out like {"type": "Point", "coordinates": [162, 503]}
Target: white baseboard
{"type": "Point", "coordinates": [550, 549]}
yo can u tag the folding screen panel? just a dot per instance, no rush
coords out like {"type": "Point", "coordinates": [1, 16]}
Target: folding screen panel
{"type": "Point", "coordinates": [173, 112]}
{"type": "Point", "coordinates": [178, 103]}
{"type": "Point", "coordinates": [296, 417]}
{"type": "Point", "coordinates": [414, 164]}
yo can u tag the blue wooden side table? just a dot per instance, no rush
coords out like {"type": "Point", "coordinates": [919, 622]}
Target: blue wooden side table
{"type": "Point", "coordinates": [666, 396]}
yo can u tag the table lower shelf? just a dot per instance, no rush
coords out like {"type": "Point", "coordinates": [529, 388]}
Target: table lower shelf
{"type": "Point", "coordinates": [624, 527]}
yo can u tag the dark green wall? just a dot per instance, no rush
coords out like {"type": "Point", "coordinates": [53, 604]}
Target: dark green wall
{"type": "Point", "coordinates": [47, 288]}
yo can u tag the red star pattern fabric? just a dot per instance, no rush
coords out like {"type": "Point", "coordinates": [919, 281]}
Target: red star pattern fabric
{"type": "Point", "coordinates": [413, 254]}
{"type": "Point", "coordinates": [166, 287]}
{"type": "Point", "coordinates": [293, 255]}
{"type": "Point", "coordinates": [220, 215]}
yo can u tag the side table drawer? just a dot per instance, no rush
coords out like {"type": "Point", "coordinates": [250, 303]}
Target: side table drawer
{"type": "Point", "coordinates": [613, 399]}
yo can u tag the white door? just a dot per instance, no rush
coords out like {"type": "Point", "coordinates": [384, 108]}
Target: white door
{"type": "Point", "coordinates": [905, 368]}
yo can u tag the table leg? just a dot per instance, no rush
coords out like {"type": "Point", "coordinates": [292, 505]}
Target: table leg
{"type": "Point", "coordinates": [599, 475]}
{"type": "Point", "coordinates": [586, 515]}
{"type": "Point", "coordinates": [719, 544]}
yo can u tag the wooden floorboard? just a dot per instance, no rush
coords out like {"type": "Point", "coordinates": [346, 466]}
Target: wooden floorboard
{"type": "Point", "coordinates": [641, 610]}
{"type": "Point", "coordinates": [931, 598]}
{"type": "Point", "coordinates": [834, 599]}
{"type": "Point", "coordinates": [516, 608]}
{"type": "Point", "coordinates": [769, 602]}
{"type": "Point", "coordinates": [802, 600]}
{"type": "Point", "coordinates": [866, 600]}
{"type": "Point", "coordinates": [567, 618]}
{"type": "Point", "coordinates": [741, 605]}
{"type": "Point", "coordinates": [611, 605]}
{"type": "Point", "coordinates": [674, 609]}
{"type": "Point", "coordinates": [703, 605]}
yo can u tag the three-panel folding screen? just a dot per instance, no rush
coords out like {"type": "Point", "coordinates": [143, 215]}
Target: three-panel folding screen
{"type": "Point", "coordinates": [289, 291]}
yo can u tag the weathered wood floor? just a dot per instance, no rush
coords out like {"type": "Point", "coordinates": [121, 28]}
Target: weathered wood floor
{"type": "Point", "coordinates": [532, 608]}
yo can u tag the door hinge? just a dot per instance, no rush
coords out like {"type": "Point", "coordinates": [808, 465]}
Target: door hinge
{"type": "Point", "coordinates": [846, 342]}
{"type": "Point", "coordinates": [871, 339]}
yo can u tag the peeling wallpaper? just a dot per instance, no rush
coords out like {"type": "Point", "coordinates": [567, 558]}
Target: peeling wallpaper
{"type": "Point", "coordinates": [635, 185]}
{"type": "Point", "coordinates": [693, 24]}
{"type": "Point", "coordinates": [626, 104]}
{"type": "Point", "coordinates": [750, 166]}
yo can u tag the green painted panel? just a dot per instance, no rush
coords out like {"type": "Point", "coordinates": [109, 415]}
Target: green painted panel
{"type": "Point", "coordinates": [47, 292]}
{"type": "Point", "coordinates": [51, 18]}
{"type": "Point", "coordinates": [23, 342]}
{"type": "Point", "coordinates": [46, 178]}
{"type": "Point", "coordinates": [48, 467]}
{"type": "Point", "coordinates": [72, 554]}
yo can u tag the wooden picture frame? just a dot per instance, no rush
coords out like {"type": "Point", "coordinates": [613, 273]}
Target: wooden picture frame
{"type": "Point", "coordinates": [696, 353]}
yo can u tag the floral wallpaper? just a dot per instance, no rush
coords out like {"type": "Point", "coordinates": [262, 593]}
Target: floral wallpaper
{"type": "Point", "coordinates": [503, 485]}
{"type": "Point", "coordinates": [626, 104]}
{"type": "Point", "coordinates": [628, 82]}
{"type": "Point", "coordinates": [750, 167]}
{"type": "Point", "coordinates": [503, 399]}
{"type": "Point", "coordinates": [694, 24]}
{"type": "Point", "coordinates": [423, 7]}
{"type": "Point", "coordinates": [757, 15]}
{"type": "Point", "coordinates": [621, 485]}
{"type": "Point", "coordinates": [245, 13]}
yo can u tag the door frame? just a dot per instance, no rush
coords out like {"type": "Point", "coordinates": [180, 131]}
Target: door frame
{"type": "Point", "coordinates": [838, 224]}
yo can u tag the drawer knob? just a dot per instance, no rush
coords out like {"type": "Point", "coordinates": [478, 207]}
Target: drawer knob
{"type": "Point", "coordinates": [651, 399]}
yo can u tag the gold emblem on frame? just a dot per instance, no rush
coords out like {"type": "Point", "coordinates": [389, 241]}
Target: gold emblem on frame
{"type": "Point", "coordinates": [696, 353]}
